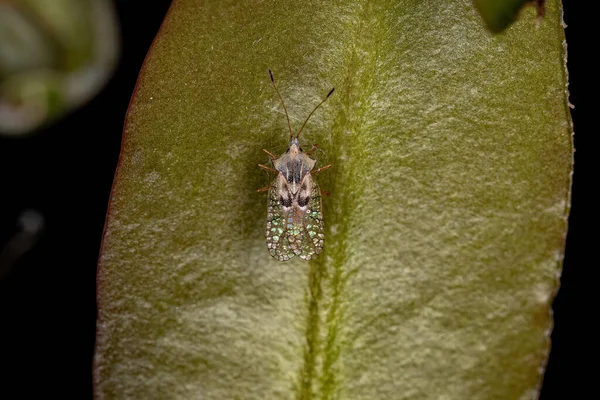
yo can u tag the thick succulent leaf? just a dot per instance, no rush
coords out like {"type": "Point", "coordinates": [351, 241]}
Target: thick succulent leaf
{"type": "Point", "coordinates": [445, 228]}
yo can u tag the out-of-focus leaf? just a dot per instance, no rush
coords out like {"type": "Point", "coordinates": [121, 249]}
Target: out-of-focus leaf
{"type": "Point", "coordinates": [445, 227]}
{"type": "Point", "coordinates": [54, 56]}
{"type": "Point", "coordinates": [500, 14]}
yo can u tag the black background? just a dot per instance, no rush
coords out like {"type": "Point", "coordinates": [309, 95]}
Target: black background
{"type": "Point", "coordinates": [47, 303]}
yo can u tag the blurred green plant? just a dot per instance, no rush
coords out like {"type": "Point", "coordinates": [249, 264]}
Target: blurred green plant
{"type": "Point", "coordinates": [54, 56]}
{"type": "Point", "coordinates": [498, 15]}
{"type": "Point", "coordinates": [444, 232]}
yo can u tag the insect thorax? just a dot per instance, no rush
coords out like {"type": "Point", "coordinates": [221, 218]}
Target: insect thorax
{"type": "Point", "coordinates": [294, 184]}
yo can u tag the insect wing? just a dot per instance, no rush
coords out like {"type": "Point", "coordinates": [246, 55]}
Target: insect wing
{"type": "Point", "coordinates": [311, 241]}
{"type": "Point", "coordinates": [277, 231]}
{"type": "Point", "coordinates": [294, 230]}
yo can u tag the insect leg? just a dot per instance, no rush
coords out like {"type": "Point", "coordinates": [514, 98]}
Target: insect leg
{"type": "Point", "coordinates": [273, 156]}
{"type": "Point", "coordinates": [311, 151]}
{"type": "Point", "coordinates": [268, 168]}
{"type": "Point", "coordinates": [315, 172]}
{"type": "Point", "coordinates": [263, 189]}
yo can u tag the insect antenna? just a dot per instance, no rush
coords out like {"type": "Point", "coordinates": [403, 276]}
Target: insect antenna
{"type": "Point", "coordinates": [311, 113]}
{"type": "Point", "coordinates": [282, 103]}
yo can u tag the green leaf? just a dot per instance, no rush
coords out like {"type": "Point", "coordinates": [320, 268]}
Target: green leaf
{"type": "Point", "coordinates": [452, 159]}
{"type": "Point", "coordinates": [500, 14]}
{"type": "Point", "coordinates": [54, 56]}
